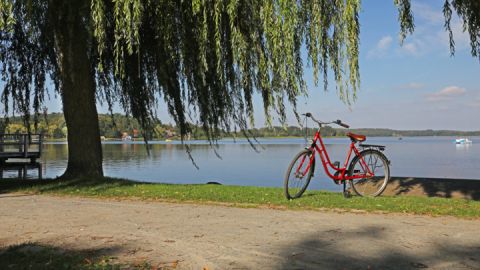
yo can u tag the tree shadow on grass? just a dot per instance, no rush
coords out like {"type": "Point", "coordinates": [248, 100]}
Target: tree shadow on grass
{"type": "Point", "coordinates": [367, 248]}
{"type": "Point", "coordinates": [435, 187]}
{"type": "Point", "coordinates": [51, 185]}
{"type": "Point", "coordinates": [38, 256]}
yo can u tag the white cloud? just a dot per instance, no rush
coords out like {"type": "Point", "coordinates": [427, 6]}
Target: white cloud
{"type": "Point", "coordinates": [410, 48]}
{"type": "Point", "coordinates": [427, 13]}
{"type": "Point", "coordinates": [411, 86]}
{"type": "Point", "coordinates": [430, 34]}
{"type": "Point", "coordinates": [446, 93]}
{"type": "Point", "coordinates": [383, 45]}
{"type": "Point", "coordinates": [461, 38]}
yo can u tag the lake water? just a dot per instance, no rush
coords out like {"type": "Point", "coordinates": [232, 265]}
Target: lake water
{"type": "Point", "coordinates": [241, 165]}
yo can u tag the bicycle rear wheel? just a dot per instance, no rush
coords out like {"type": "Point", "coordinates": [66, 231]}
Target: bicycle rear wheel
{"type": "Point", "coordinates": [299, 173]}
{"type": "Point", "coordinates": [378, 164]}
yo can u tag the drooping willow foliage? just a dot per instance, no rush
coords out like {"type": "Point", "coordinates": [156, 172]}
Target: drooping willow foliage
{"type": "Point", "coordinates": [208, 58]}
{"type": "Point", "coordinates": [205, 58]}
{"type": "Point", "coordinates": [27, 57]}
{"type": "Point", "coordinates": [469, 12]}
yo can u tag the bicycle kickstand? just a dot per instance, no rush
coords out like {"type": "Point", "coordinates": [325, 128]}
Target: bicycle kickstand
{"type": "Point", "coordinates": [346, 192]}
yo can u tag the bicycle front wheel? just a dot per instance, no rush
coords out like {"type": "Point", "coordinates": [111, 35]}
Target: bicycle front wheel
{"type": "Point", "coordinates": [299, 174]}
{"type": "Point", "coordinates": [377, 163]}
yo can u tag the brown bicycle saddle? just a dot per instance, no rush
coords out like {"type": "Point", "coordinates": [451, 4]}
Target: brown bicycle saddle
{"type": "Point", "coordinates": [356, 137]}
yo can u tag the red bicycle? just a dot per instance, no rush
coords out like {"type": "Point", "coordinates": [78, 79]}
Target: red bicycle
{"type": "Point", "coordinates": [368, 171]}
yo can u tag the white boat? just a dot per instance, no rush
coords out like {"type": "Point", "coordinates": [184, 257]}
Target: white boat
{"type": "Point", "coordinates": [463, 141]}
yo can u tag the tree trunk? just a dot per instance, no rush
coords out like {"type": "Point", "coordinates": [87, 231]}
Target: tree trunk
{"type": "Point", "coordinates": [78, 90]}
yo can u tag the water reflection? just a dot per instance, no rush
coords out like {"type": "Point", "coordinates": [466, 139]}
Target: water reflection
{"type": "Point", "coordinates": [463, 147]}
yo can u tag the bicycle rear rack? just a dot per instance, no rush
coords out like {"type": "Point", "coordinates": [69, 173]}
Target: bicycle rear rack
{"type": "Point", "coordinates": [379, 147]}
{"type": "Point", "coordinates": [374, 146]}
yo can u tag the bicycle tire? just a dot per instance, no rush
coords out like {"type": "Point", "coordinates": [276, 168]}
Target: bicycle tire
{"type": "Point", "coordinates": [305, 179]}
{"type": "Point", "coordinates": [378, 183]}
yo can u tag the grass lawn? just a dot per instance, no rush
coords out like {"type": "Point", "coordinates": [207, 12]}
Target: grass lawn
{"type": "Point", "coordinates": [241, 196]}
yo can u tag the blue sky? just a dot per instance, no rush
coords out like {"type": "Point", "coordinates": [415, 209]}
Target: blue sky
{"type": "Point", "coordinates": [414, 86]}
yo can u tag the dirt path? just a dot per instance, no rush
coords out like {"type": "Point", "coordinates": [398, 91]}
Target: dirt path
{"type": "Point", "coordinates": [219, 237]}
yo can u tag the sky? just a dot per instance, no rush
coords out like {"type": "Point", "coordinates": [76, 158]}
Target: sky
{"type": "Point", "coordinates": [414, 86]}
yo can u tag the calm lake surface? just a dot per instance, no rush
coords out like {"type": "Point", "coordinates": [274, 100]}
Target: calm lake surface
{"type": "Point", "coordinates": [241, 165]}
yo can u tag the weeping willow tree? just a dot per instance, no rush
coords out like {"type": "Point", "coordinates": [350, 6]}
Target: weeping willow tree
{"type": "Point", "coordinates": [204, 59]}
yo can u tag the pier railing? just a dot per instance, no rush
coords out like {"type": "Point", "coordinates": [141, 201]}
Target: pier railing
{"type": "Point", "coordinates": [20, 146]}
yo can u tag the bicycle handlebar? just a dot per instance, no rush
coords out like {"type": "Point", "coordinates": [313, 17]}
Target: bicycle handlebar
{"type": "Point", "coordinates": [338, 122]}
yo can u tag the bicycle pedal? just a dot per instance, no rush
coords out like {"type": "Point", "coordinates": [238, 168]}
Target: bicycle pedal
{"type": "Point", "coordinates": [336, 164]}
{"type": "Point", "coordinates": [338, 182]}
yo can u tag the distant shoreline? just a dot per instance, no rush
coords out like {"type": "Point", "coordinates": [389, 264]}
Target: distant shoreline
{"type": "Point", "coordinates": [54, 128]}
{"type": "Point", "coordinates": [244, 138]}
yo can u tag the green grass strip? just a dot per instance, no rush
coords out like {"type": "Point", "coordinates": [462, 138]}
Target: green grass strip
{"type": "Point", "coordinates": [243, 196]}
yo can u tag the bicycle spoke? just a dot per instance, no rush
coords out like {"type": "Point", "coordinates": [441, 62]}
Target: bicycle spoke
{"type": "Point", "coordinates": [374, 166]}
{"type": "Point", "coordinates": [371, 162]}
{"type": "Point", "coordinates": [299, 174]}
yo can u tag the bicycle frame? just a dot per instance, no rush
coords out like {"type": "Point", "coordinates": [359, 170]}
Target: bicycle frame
{"type": "Point", "coordinates": [340, 173]}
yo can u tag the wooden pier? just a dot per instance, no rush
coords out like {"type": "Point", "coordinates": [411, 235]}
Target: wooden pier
{"type": "Point", "coordinates": [20, 170]}
{"type": "Point", "coordinates": [22, 152]}
{"type": "Point", "coordinates": [20, 146]}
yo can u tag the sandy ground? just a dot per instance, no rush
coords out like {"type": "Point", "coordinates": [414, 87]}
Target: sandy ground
{"type": "Point", "coordinates": [187, 236]}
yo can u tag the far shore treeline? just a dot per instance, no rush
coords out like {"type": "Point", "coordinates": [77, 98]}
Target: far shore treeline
{"type": "Point", "coordinates": [118, 126]}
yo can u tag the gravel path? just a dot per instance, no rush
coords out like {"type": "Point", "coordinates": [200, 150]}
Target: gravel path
{"type": "Point", "coordinates": [188, 236]}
